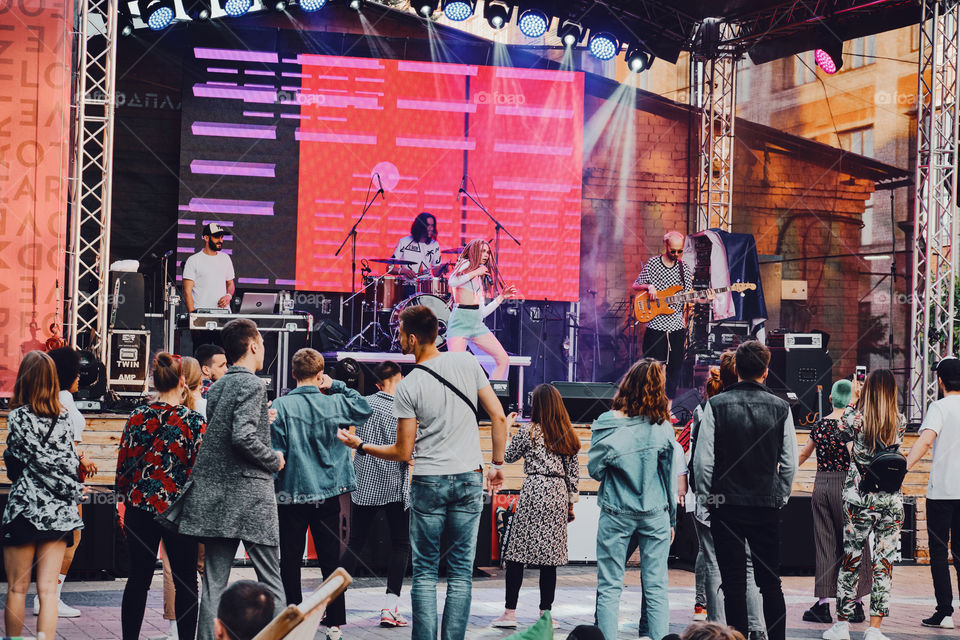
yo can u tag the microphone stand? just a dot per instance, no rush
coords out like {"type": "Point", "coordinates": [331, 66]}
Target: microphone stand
{"type": "Point", "coordinates": [352, 236]}
{"type": "Point", "coordinates": [496, 234]}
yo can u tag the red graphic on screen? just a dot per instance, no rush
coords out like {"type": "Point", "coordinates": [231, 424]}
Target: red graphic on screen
{"type": "Point", "coordinates": [516, 133]}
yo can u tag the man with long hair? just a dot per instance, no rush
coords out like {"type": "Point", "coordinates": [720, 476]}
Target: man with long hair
{"type": "Point", "coordinates": [420, 247]}
{"type": "Point", "coordinates": [744, 463]}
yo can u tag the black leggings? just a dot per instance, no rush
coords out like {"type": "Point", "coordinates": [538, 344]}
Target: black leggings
{"type": "Point", "coordinates": [548, 585]}
{"type": "Point", "coordinates": [323, 519]}
{"type": "Point", "coordinates": [361, 523]}
{"type": "Point", "coordinates": [143, 541]}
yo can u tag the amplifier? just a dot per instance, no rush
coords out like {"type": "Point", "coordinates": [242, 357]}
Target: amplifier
{"type": "Point", "coordinates": [806, 372]}
{"type": "Point", "coordinates": [586, 400]}
{"type": "Point", "coordinates": [127, 370]}
{"type": "Point", "coordinates": [502, 390]}
{"type": "Point", "coordinates": [205, 321]}
{"type": "Point", "coordinates": [791, 341]}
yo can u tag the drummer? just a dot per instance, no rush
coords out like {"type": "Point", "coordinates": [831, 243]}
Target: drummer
{"type": "Point", "coordinates": [420, 248]}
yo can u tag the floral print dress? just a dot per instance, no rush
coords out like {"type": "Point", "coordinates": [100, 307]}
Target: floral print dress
{"type": "Point", "coordinates": [538, 531]}
{"type": "Point", "coordinates": [47, 493]}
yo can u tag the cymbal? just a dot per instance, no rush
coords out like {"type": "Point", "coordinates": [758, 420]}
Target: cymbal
{"type": "Point", "coordinates": [390, 261]}
{"type": "Point", "coordinates": [460, 250]}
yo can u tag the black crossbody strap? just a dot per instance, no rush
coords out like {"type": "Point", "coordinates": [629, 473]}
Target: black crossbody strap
{"type": "Point", "coordinates": [450, 386]}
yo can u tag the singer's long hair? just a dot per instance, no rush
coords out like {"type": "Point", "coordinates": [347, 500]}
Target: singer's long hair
{"type": "Point", "coordinates": [418, 230]}
{"type": "Point", "coordinates": [471, 256]}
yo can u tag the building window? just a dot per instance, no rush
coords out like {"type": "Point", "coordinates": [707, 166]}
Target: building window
{"type": "Point", "coordinates": [861, 141]}
{"type": "Point", "coordinates": [860, 52]}
{"type": "Point", "coordinates": [804, 67]}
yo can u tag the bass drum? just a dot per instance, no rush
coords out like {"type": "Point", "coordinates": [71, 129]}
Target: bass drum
{"type": "Point", "coordinates": [438, 305]}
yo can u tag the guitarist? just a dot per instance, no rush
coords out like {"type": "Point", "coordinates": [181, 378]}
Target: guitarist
{"type": "Point", "coordinates": [665, 335]}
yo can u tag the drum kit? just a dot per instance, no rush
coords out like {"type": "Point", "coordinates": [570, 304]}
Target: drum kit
{"type": "Point", "coordinates": [387, 295]}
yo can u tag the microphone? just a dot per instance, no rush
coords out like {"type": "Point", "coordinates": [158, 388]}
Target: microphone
{"type": "Point", "coordinates": [463, 184]}
{"type": "Point", "coordinates": [167, 254]}
{"type": "Point", "coordinates": [380, 190]}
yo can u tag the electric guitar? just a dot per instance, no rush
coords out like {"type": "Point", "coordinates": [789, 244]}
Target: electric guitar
{"type": "Point", "coordinates": [646, 309]}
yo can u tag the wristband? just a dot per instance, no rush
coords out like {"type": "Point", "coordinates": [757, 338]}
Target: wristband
{"type": "Point", "coordinates": [360, 451]}
{"type": "Point", "coordinates": [497, 466]}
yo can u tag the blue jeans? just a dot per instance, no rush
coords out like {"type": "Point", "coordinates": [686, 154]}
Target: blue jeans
{"type": "Point", "coordinates": [613, 536]}
{"type": "Point", "coordinates": [441, 505]}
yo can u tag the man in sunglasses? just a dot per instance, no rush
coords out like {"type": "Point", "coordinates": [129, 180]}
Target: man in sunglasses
{"type": "Point", "coordinates": [665, 334]}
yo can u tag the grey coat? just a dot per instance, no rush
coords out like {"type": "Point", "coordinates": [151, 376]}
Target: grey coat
{"type": "Point", "coordinates": [230, 492]}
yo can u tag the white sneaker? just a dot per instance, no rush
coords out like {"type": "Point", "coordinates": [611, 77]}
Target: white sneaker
{"type": "Point", "coordinates": [872, 633]}
{"type": "Point", "coordinates": [172, 633]}
{"type": "Point", "coordinates": [333, 633]}
{"type": "Point", "coordinates": [839, 631]}
{"type": "Point", "coordinates": [63, 609]}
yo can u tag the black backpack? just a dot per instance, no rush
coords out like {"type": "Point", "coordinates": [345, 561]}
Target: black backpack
{"type": "Point", "coordinates": [885, 471]}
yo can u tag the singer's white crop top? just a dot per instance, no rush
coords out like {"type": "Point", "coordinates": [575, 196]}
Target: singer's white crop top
{"type": "Point", "coordinates": [459, 280]}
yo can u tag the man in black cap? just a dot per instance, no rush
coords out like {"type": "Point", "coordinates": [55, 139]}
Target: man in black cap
{"type": "Point", "coordinates": [941, 429]}
{"type": "Point", "coordinates": [208, 280]}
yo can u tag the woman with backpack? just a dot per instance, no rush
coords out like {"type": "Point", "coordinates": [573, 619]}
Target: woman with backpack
{"type": "Point", "coordinates": [872, 500]}
{"type": "Point", "coordinates": [538, 531]}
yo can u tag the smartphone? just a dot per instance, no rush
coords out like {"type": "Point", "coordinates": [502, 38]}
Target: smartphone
{"type": "Point", "coordinates": [861, 373]}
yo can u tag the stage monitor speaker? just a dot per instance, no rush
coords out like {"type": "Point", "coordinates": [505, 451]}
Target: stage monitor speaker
{"type": "Point", "coordinates": [330, 336]}
{"type": "Point", "coordinates": [126, 301]}
{"type": "Point", "coordinates": [502, 390]}
{"type": "Point", "coordinates": [537, 330]}
{"type": "Point", "coordinates": [586, 400]}
{"type": "Point", "coordinates": [802, 371]}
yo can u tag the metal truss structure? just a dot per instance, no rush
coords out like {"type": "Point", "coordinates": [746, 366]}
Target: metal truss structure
{"type": "Point", "coordinates": [935, 221]}
{"type": "Point", "coordinates": [94, 99]}
{"type": "Point", "coordinates": [713, 81]}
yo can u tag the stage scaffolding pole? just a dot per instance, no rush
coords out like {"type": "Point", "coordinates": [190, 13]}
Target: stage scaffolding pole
{"type": "Point", "coordinates": [935, 219]}
{"type": "Point", "coordinates": [713, 81]}
{"type": "Point", "coordinates": [95, 99]}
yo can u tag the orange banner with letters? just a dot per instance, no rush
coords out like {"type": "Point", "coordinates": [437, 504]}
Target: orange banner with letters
{"type": "Point", "coordinates": [35, 80]}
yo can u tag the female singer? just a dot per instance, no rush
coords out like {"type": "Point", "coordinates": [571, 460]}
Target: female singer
{"type": "Point", "coordinates": [471, 276]}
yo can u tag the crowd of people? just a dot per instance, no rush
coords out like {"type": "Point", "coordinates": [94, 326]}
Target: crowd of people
{"type": "Point", "coordinates": [209, 460]}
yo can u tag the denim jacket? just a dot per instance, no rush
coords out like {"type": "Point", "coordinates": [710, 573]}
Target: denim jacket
{"type": "Point", "coordinates": [318, 465]}
{"type": "Point", "coordinates": [633, 461]}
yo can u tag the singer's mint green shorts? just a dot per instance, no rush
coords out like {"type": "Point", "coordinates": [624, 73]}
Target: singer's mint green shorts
{"type": "Point", "coordinates": [466, 323]}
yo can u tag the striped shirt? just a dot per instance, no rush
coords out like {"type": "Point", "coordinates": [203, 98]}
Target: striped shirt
{"type": "Point", "coordinates": [380, 482]}
{"type": "Point", "coordinates": [662, 277]}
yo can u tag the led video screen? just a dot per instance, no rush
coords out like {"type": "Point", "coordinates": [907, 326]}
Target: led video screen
{"type": "Point", "coordinates": [285, 149]}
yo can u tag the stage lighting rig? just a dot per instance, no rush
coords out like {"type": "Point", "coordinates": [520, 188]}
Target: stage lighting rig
{"type": "Point", "coordinates": [158, 14]}
{"type": "Point", "coordinates": [829, 49]}
{"type": "Point", "coordinates": [425, 8]}
{"type": "Point", "coordinates": [604, 45]}
{"type": "Point", "coordinates": [497, 13]}
{"type": "Point", "coordinates": [124, 18]}
{"type": "Point", "coordinates": [356, 5]}
{"type": "Point", "coordinates": [533, 23]}
{"type": "Point", "coordinates": [312, 5]}
{"type": "Point", "coordinates": [198, 10]}
{"type": "Point", "coordinates": [639, 59]}
{"type": "Point", "coordinates": [570, 33]}
{"type": "Point", "coordinates": [277, 5]}
{"type": "Point", "coordinates": [459, 10]}
{"type": "Point", "coordinates": [236, 8]}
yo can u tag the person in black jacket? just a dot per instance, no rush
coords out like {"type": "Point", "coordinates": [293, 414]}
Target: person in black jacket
{"type": "Point", "coordinates": [744, 463]}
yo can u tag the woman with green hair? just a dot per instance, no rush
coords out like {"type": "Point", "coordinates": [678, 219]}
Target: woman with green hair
{"type": "Point", "coordinates": [833, 462]}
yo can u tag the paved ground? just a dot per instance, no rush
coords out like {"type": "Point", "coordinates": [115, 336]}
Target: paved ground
{"type": "Point", "coordinates": [912, 600]}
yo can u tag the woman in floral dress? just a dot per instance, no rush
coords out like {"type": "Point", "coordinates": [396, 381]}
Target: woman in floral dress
{"type": "Point", "coordinates": [41, 513]}
{"type": "Point", "coordinates": [538, 531]}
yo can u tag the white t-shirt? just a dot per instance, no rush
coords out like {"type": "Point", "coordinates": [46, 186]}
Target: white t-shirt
{"type": "Point", "coordinates": [209, 275]}
{"type": "Point", "coordinates": [448, 439]}
{"type": "Point", "coordinates": [943, 417]}
{"type": "Point", "coordinates": [419, 253]}
{"type": "Point", "coordinates": [74, 417]}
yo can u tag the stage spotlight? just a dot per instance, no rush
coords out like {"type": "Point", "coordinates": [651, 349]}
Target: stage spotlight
{"type": "Point", "coordinates": [124, 19]}
{"type": "Point", "coordinates": [197, 9]}
{"type": "Point", "coordinates": [356, 5]}
{"type": "Point", "coordinates": [497, 13]}
{"type": "Point", "coordinates": [278, 5]}
{"type": "Point", "coordinates": [829, 59]}
{"type": "Point", "coordinates": [533, 23]}
{"type": "Point", "coordinates": [570, 33]}
{"type": "Point", "coordinates": [639, 59]}
{"type": "Point", "coordinates": [458, 10]}
{"type": "Point", "coordinates": [604, 45]}
{"type": "Point", "coordinates": [312, 5]}
{"type": "Point", "coordinates": [158, 14]}
{"type": "Point", "coordinates": [236, 8]}
{"type": "Point", "coordinates": [425, 8]}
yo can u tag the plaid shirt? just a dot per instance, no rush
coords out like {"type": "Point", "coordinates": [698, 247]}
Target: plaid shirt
{"type": "Point", "coordinates": [380, 482]}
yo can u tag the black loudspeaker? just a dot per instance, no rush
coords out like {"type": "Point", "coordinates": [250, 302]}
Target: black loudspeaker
{"type": "Point", "coordinates": [537, 330]}
{"type": "Point", "coordinates": [502, 389]}
{"type": "Point", "coordinates": [329, 336]}
{"type": "Point", "coordinates": [802, 371]}
{"type": "Point", "coordinates": [586, 400]}
{"type": "Point", "coordinates": [126, 301]}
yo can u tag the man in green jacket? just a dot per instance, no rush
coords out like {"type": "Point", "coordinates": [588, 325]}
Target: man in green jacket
{"type": "Point", "coordinates": [318, 472]}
